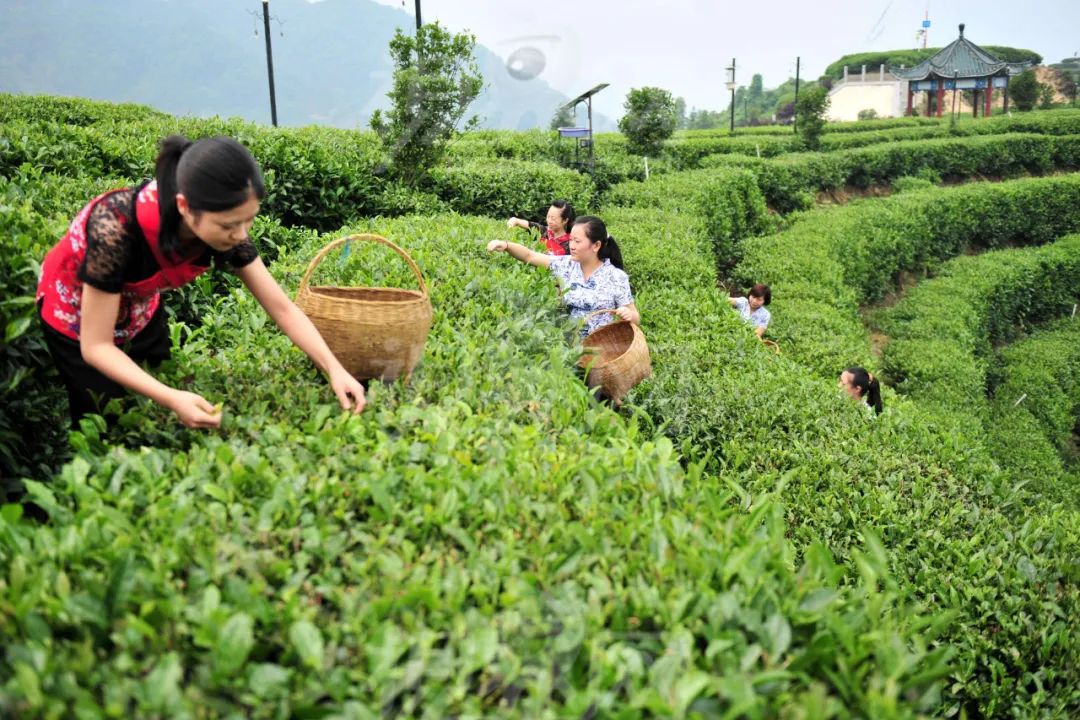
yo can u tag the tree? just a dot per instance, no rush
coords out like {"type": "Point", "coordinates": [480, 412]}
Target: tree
{"type": "Point", "coordinates": [810, 115]}
{"type": "Point", "coordinates": [563, 117]}
{"type": "Point", "coordinates": [1046, 96]}
{"type": "Point", "coordinates": [757, 88]}
{"type": "Point", "coordinates": [649, 120]}
{"type": "Point", "coordinates": [1024, 90]}
{"type": "Point", "coordinates": [436, 78]}
{"type": "Point", "coordinates": [680, 113]}
{"type": "Point", "coordinates": [705, 120]}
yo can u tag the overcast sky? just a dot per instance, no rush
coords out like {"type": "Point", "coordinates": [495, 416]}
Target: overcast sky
{"type": "Point", "coordinates": [684, 45]}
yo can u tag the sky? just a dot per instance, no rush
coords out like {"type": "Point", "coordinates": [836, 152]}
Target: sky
{"type": "Point", "coordinates": [684, 45]}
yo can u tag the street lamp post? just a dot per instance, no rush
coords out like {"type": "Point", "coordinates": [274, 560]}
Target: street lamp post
{"type": "Point", "coordinates": [731, 87]}
{"type": "Point", "coordinates": [418, 21]}
{"type": "Point", "coordinates": [270, 60]}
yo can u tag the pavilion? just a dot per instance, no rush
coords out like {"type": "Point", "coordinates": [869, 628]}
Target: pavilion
{"type": "Point", "coordinates": [961, 65]}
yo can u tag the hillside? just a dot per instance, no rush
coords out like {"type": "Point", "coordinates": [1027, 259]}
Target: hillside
{"type": "Point", "coordinates": [204, 58]}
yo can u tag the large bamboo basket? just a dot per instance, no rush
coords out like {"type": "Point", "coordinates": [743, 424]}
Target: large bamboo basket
{"type": "Point", "coordinates": [616, 358]}
{"type": "Point", "coordinates": [375, 332]}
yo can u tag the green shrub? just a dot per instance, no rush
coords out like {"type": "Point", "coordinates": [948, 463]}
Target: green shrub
{"type": "Point", "coordinates": [922, 479]}
{"type": "Point", "coordinates": [509, 187]}
{"type": "Point", "coordinates": [943, 330]}
{"type": "Point", "coordinates": [828, 263]}
{"type": "Point", "coordinates": [487, 538]}
{"type": "Point", "coordinates": [728, 202]}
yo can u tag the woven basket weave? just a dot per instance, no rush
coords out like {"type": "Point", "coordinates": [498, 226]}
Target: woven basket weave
{"type": "Point", "coordinates": [616, 357]}
{"type": "Point", "coordinates": [374, 332]}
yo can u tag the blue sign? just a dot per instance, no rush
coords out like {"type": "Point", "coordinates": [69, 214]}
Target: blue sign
{"type": "Point", "coordinates": [926, 23]}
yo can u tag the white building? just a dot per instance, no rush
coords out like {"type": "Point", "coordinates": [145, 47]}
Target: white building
{"type": "Point", "coordinates": [876, 90]}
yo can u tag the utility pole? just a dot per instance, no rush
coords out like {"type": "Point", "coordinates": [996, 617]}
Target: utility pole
{"type": "Point", "coordinates": [731, 87]}
{"type": "Point", "coordinates": [419, 22]}
{"type": "Point", "coordinates": [270, 60]}
{"type": "Point", "coordinates": [795, 115]}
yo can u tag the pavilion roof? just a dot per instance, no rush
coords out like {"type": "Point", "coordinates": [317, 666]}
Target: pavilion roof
{"type": "Point", "coordinates": [960, 59]}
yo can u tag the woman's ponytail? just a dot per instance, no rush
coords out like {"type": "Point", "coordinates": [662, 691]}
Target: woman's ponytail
{"type": "Point", "coordinates": [868, 386]}
{"type": "Point", "coordinates": [609, 250]}
{"type": "Point", "coordinates": [873, 395]}
{"type": "Point", "coordinates": [168, 159]}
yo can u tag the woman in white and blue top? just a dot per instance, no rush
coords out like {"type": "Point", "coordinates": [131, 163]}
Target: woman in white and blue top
{"type": "Point", "coordinates": [752, 308]}
{"type": "Point", "coordinates": [591, 276]}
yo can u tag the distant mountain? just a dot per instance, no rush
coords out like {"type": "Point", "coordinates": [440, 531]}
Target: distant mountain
{"type": "Point", "coordinates": [203, 57]}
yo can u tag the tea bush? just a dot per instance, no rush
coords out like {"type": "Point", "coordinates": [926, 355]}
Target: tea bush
{"type": "Point", "coordinates": [728, 201]}
{"type": "Point", "coordinates": [510, 187]}
{"type": "Point", "coordinates": [942, 332]}
{"type": "Point", "coordinates": [1036, 408]}
{"type": "Point", "coordinates": [487, 540]}
{"type": "Point", "coordinates": [829, 263]}
{"type": "Point", "coordinates": [924, 480]}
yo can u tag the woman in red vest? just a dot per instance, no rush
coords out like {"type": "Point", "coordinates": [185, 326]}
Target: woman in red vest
{"type": "Point", "coordinates": [556, 236]}
{"type": "Point", "coordinates": [100, 286]}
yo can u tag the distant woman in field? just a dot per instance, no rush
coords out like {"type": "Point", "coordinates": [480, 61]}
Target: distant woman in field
{"type": "Point", "coordinates": [99, 294]}
{"type": "Point", "coordinates": [556, 236]}
{"type": "Point", "coordinates": [861, 385]}
{"type": "Point", "coordinates": [752, 308]}
{"type": "Point", "coordinates": [591, 275]}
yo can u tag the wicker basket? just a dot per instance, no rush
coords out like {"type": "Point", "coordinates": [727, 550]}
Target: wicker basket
{"type": "Point", "coordinates": [771, 344]}
{"type": "Point", "coordinates": [374, 332]}
{"type": "Point", "coordinates": [616, 358]}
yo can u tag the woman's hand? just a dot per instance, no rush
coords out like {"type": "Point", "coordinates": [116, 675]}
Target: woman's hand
{"type": "Point", "coordinates": [194, 410]}
{"type": "Point", "coordinates": [497, 246]}
{"type": "Point", "coordinates": [627, 313]}
{"type": "Point", "coordinates": [517, 222]}
{"type": "Point", "coordinates": [345, 386]}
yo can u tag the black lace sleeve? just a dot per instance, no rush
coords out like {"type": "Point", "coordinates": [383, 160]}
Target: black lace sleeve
{"type": "Point", "coordinates": [109, 245]}
{"type": "Point", "coordinates": [240, 256]}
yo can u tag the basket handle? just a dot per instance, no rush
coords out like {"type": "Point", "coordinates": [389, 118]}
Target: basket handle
{"type": "Point", "coordinates": [366, 237]}
{"type": "Point", "coordinates": [599, 312]}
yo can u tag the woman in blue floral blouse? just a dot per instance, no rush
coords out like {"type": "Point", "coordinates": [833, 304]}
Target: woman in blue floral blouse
{"type": "Point", "coordinates": [591, 276]}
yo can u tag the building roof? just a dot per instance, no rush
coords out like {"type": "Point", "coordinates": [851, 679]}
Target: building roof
{"type": "Point", "coordinates": [960, 59]}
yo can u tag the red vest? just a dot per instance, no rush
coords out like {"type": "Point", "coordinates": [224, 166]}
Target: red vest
{"type": "Point", "coordinates": [60, 290]}
{"type": "Point", "coordinates": [557, 245]}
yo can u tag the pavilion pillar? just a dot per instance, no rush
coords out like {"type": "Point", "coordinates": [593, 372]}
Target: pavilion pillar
{"type": "Point", "coordinates": [974, 103]}
{"type": "Point", "coordinates": [910, 95]}
{"type": "Point", "coordinates": [989, 97]}
{"type": "Point", "coordinates": [1005, 109]}
{"type": "Point", "coordinates": [940, 96]}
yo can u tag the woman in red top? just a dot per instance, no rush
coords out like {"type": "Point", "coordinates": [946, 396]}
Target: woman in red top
{"type": "Point", "coordinates": [560, 218]}
{"type": "Point", "coordinates": [100, 287]}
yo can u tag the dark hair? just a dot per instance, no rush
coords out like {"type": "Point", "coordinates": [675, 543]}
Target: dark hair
{"type": "Point", "coordinates": [596, 231]}
{"type": "Point", "coordinates": [214, 174]}
{"type": "Point", "coordinates": [568, 215]}
{"type": "Point", "coordinates": [868, 386]}
{"type": "Point", "coordinates": [761, 291]}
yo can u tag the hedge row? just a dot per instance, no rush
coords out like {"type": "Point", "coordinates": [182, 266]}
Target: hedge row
{"type": "Point", "coordinates": [1036, 407]}
{"type": "Point", "coordinates": [693, 149]}
{"type": "Point", "coordinates": [831, 262]}
{"type": "Point", "coordinates": [510, 187]}
{"type": "Point", "coordinates": [487, 540]}
{"type": "Point", "coordinates": [727, 200]}
{"type": "Point", "coordinates": [942, 332]}
{"type": "Point", "coordinates": [72, 111]}
{"type": "Point", "coordinates": [316, 177]}
{"type": "Point", "coordinates": [790, 181]}
{"type": "Point", "coordinates": [958, 533]}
